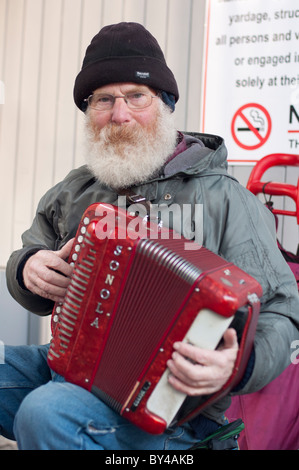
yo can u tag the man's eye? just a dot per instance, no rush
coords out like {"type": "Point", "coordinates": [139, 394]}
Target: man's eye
{"type": "Point", "coordinates": [135, 96]}
{"type": "Point", "coordinates": [103, 99]}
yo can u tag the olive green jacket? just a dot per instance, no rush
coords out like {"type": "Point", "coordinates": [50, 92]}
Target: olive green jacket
{"type": "Point", "coordinates": [235, 226]}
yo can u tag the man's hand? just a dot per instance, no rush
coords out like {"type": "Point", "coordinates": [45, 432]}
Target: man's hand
{"type": "Point", "coordinates": [197, 371]}
{"type": "Point", "coordinates": [46, 273]}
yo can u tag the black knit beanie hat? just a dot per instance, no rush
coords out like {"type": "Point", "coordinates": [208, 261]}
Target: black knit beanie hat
{"type": "Point", "coordinates": [121, 53]}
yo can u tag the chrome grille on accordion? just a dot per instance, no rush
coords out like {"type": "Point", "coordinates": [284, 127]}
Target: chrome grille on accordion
{"type": "Point", "coordinates": [128, 301]}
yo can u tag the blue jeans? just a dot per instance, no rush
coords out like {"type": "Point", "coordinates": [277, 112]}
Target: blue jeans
{"type": "Point", "coordinates": [42, 411]}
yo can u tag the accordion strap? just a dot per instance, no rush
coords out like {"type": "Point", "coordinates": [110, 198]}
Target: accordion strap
{"type": "Point", "coordinates": [133, 198]}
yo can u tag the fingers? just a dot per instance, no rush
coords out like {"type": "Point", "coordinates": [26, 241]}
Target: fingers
{"type": "Point", "coordinates": [64, 252]}
{"type": "Point", "coordinates": [230, 340]}
{"type": "Point", "coordinates": [47, 274]}
{"type": "Point", "coordinates": [187, 373]}
{"type": "Point", "coordinates": [197, 371]}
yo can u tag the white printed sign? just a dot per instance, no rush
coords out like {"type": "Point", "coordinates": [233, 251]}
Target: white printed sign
{"type": "Point", "coordinates": [251, 76]}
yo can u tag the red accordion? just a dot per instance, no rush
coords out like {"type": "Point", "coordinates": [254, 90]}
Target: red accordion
{"type": "Point", "coordinates": [130, 298]}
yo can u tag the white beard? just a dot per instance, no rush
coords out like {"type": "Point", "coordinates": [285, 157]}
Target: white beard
{"type": "Point", "coordinates": [121, 155]}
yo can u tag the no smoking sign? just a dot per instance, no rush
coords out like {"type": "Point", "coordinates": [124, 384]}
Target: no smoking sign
{"type": "Point", "coordinates": [251, 126]}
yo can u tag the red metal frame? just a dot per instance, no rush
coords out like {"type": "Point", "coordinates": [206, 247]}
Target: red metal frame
{"type": "Point", "coordinates": [256, 186]}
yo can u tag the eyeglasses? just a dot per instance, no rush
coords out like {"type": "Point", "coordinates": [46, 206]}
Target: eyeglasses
{"type": "Point", "coordinates": [105, 102]}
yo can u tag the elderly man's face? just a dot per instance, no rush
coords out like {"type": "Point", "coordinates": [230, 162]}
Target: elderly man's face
{"type": "Point", "coordinates": [126, 146]}
{"type": "Point", "coordinates": [120, 113]}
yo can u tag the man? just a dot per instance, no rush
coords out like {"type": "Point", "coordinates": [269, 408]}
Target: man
{"type": "Point", "coordinates": [128, 95]}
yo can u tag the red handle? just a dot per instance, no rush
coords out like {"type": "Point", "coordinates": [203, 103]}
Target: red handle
{"type": "Point", "coordinates": [256, 186]}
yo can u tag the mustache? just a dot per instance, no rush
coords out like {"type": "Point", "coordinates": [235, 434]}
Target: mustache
{"type": "Point", "coordinates": [115, 133]}
{"type": "Point", "coordinates": [120, 134]}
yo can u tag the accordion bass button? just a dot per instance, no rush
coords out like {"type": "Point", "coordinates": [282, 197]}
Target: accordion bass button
{"type": "Point", "coordinates": [55, 318]}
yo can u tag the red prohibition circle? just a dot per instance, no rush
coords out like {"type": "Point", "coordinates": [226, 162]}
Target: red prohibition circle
{"type": "Point", "coordinates": [261, 139]}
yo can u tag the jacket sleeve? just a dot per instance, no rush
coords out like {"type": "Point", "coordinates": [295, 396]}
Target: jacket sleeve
{"type": "Point", "coordinates": [43, 235]}
{"type": "Point", "coordinates": [249, 241]}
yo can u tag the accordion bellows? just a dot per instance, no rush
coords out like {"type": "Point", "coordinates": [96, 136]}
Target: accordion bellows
{"type": "Point", "coordinates": [129, 300]}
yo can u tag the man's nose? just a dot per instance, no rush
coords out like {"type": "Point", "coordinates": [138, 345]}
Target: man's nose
{"type": "Point", "coordinates": [120, 111]}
